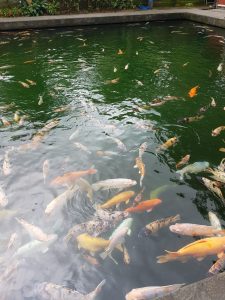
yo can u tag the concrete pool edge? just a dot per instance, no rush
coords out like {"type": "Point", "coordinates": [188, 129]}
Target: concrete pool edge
{"type": "Point", "coordinates": [211, 288]}
{"type": "Point", "coordinates": [214, 17]}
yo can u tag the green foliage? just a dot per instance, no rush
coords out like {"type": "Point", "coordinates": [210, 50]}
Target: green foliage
{"type": "Point", "coordinates": [35, 8]}
{"type": "Point", "coordinates": [10, 12]}
{"type": "Point", "coordinates": [52, 7]}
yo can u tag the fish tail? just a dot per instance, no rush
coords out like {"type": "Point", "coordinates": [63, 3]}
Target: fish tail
{"type": "Point", "coordinates": [176, 218]}
{"type": "Point", "coordinates": [97, 290]}
{"type": "Point", "coordinates": [167, 257]}
{"type": "Point", "coordinates": [141, 179]}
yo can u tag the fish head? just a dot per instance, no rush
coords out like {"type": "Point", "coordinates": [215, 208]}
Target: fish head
{"type": "Point", "coordinates": [156, 201]}
{"type": "Point", "coordinates": [174, 228]}
{"type": "Point", "coordinates": [92, 171]}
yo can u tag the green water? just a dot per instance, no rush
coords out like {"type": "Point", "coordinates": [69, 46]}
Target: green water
{"type": "Point", "coordinates": [69, 71]}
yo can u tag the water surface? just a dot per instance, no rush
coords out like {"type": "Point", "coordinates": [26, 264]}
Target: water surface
{"type": "Point", "coordinates": [73, 66]}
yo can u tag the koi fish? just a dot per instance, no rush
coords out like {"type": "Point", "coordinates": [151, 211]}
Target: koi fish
{"type": "Point", "coordinates": [12, 240]}
{"type": "Point", "coordinates": [3, 198]}
{"type": "Point", "coordinates": [221, 166]}
{"type": "Point", "coordinates": [117, 239]}
{"type": "Point", "coordinates": [118, 183]}
{"type": "Point", "coordinates": [217, 174]}
{"type": "Point", "coordinates": [214, 221]}
{"type": "Point", "coordinates": [57, 203]}
{"type": "Point", "coordinates": [191, 119]}
{"type": "Point", "coordinates": [213, 187]}
{"type": "Point", "coordinates": [220, 67]}
{"type": "Point", "coordinates": [96, 226]}
{"type": "Point", "coordinates": [119, 143]}
{"type": "Point", "coordinates": [105, 153]}
{"type": "Point", "coordinates": [119, 198]}
{"type": "Point", "coordinates": [120, 52]}
{"type": "Point", "coordinates": [40, 101]}
{"type": "Point", "coordinates": [183, 161]}
{"type": "Point", "coordinates": [169, 143]}
{"type": "Point", "coordinates": [85, 186]}
{"type": "Point", "coordinates": [139, 82]}
{"type": "Point", "coordinates": [155, 226]}
{"type": "Point", "coordinates": [185, 64]}
{"type": "Point", "coordinates": [126, 256]}
{"type": "Point", "coordinates": [114, 69]}
{"type": "Point", "coordinates": [194, 168]}
{"type": "Point", "coordinates": [147, 205]}
{"type": "Point", "coordinates": [217, 266]}
{"type": "Point", "coordinates": [34, 231]}
{"type": "Point", "coordinates": [157, 102]}
{"type": "Point", "coordinates": [48, 290]}
{"type": "Point", "coordinates": [218, 130]}
{"type": "Point", "coordinates": [141, 167]}
{"type": "Point", "coordinates": [91, 244]}
{"type": "Point", "coordinates": [45, 169]}
{"type": "Point", "coordinates": [31, 82]}
{"type": "Point", "coordinates": [199, 250]}
{"type": "Point", "coordinates": [126, 67]}
{"type": "Point", "coordinates": [113, 81]}
{"type": "Point", "coordinates": [16, 117]}
{"type": "Point", "coordinates": [142, 149]}
{"type": "Point", "coordinates": [139, 196]}
{"type": "Point", "coordinates": [6, 168]}
{"type": "Point", "coordinates": [193, 92]}
{"type": "Point", "coordinates": [195, 230]}
{"type": "Point", "coordinates": [24, 84]}
{"type": "Point", "coordinates": [213, 102]}
{"type": "Point", "coordinates": [82, 147]}
{"type": "Point", "coordinates": [70, 178]}
{"type": "Point", "coordinates": [5, 122]}
{"type": "Point", "coordinates": [34, 246]}
{"type": "Point", "coordinates": [152, 292]}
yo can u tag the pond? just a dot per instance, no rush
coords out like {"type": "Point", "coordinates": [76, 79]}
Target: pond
{"type": "Point", "coordinates": [96, 84]}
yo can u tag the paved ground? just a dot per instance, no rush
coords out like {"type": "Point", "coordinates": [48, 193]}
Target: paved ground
{"type": "Point", "coordinates": [215, 17]}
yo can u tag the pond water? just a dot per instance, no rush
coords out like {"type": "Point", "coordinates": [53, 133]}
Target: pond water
{"type": "Point", "coordinates": [73, 69]}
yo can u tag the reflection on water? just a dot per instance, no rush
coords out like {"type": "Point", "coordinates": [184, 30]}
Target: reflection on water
{"type": "Point", "coordinates": [95, 114]}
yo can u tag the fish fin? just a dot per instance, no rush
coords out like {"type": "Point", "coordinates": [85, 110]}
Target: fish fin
{"type": "Point", "coordinates": [127, 201]}
{"type": "Point", "coordinates": [103, 255]}
{"type": "Point", "coordinates": [120, 247]}
{"type": "Point", "coordinates": [135, 166]}
{"type": "Point", "coordinates": [200, 258]}
{"type": "Point", "coordinates": [129, 232]}
{"type": "Point", "coordinates": [97, 290]}
{"type": "Point", "coordinates": [221, 254]}
{"type": "Point", "coordinates": [113, 259]}
{"type": "Point", "coordinates": [167, 257]}
{"type": "Point", "coordinates": [149, 210]}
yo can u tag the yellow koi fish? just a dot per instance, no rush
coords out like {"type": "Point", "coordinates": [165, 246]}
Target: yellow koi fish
{"type": "Point", "coordinates": [121, 197]}
{"type": "Point", "coordinates": [92, 244]}
{"type": "Point", "coordinates": [198, 250]}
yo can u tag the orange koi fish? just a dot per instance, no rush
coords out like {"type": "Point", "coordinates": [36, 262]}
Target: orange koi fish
{"type": "Point", "coordinates": [71, 177]}
{"type": "Point", "coordinates": [120, 52]}
{"type": "Point", "coordinates": [147, 205]}
{"type": "Point", "coordinates": [193, 92]}
{"type": "Point", "coordinates": [199, 250]}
